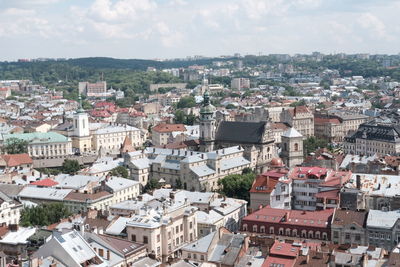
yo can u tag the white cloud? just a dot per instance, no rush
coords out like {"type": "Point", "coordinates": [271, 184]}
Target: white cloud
{"type": "Point", "coordinates": [207, 27]}
{"type": "Point", "coordinates": [373, 24]}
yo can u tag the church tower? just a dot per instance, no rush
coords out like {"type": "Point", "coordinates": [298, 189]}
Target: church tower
{"type": "Point", "coordinates": [292, 148]}
{"type": "Point", "coordinates": [207, 125]}
{"type": "Point", "coordinates": [81, 139]}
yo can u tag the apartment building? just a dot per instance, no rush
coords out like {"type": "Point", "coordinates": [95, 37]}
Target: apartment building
{"type": "Point", "coordinates": [374, 138]}
{"type": "Point", "coordinates": [166, 230]}
{"type": "Point", "coordinates": [10, 210]}
{"type": "Point", "coordinates": [335, 127]}
{"type": "Point", "coordinates": [163, 133]}
{"type": "Point", "coordinates": [240, 83]}
{"type": "Point", "coordinates": [348, 227]}
{"type": "Point", "coordinates": [80, 193]}
{"type": "Point", "coordinates": [295, 223]}
{"type": "Point", "coordinates": [300, 118]}
{"type": "Point", "coordinates": [383, 228]}
{"type": "Point", "coordinates": [316, 188]}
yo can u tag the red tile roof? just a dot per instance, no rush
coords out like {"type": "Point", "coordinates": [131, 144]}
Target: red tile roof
{"type": "Point", "coordinates": [284, 249]}
{"type": "Point", "coordinates": [319, 218]}
{"type": "Point", "coordinates": [45, 182]}
{"type": "Point", "coordinates": [263, 185]}
{"type": "Point", "coordinates": [167, 128]}
{"type": "Point", "coordinates": [331, 194]}
{"type": "Point", "coordinates": [277, 261]}
{"type": "Point", "coordinates": [13, 160]}
{"type": "Point", "coordinates": [319, 120]}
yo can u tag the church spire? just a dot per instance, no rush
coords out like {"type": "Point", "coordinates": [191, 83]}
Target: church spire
{"type": "Point", "coordinates": [80, 109]}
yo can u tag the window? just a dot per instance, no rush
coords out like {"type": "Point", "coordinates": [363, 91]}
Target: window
{"type": "Point", "coordinates": [254, 228]}
{"type": "Point", "coordinates": [271, 230]}
{"type": "Point", "coordinates": [195, 256]}
{"type": "Point", "coordinates": [181, 226]}
{"type": "Point", "coordinates": [189, 255]}
{"type": "Point", "coordinates": [278, 198]}
{"type": "Point", "coordinates": [202, 257]}
{"type": "Point", "coordinates": [101, 252]}
{"type": "Point", "coordinates": [133, 238]}
{"type": "Point", "coordinates": [158, 238]}
{"type": "Point", "coordinates": [358, 237]}
{"type": "Point", "coordinates": [158, 250]}
{"type": "Point", "coordinates": [335, 234]}
{"type": "Point", "coordinates": [145, 239]}
{"type": "Point", "coordinates": [347, 236]}
{"type": "Point", "coordinates": [177, 241]}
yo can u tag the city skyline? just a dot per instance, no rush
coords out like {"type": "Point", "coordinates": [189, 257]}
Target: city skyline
{"type": "Point", "coordinates": [174, 29]}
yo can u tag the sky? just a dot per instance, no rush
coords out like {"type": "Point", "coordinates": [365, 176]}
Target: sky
{"type": "Point", "coordinates": [165, 29]}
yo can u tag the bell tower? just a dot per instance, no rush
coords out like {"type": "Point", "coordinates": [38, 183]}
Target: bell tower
{"type": "Point", "coordinates": [292, 148]}
{"type": "Point", "coordinates": [81, 139]}
{"type": "Point", "coordinates": [207, 125]}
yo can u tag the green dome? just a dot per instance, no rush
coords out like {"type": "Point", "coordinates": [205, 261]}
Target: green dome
{"type": "Point", "coordinates": [207, 107]}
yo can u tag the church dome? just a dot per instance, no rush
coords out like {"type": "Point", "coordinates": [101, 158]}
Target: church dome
{"type": "Point", "coordinates": [207, 107]}
{"type": "Point", "coordinates": [276, 162]}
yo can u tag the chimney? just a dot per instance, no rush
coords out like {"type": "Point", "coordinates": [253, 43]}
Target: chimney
{"type": "Point", "coordinates": [358, 181]}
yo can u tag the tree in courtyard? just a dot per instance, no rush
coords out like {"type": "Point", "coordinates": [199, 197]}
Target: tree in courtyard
{"type": "Point", "coordinates": [237, 185]}
{"type": "Point", "coordinates": [44, 214]}
{"type": "Point", "coordinates": [70, 166]}
{"type": "Point", "coordinates": [151, 185]}
{"type": "Point", "coordinates": [120, 171]}
{"type": "Point", "coordinates": [15, 145]}
{"type": "Point", "coordinates": [312, 143]}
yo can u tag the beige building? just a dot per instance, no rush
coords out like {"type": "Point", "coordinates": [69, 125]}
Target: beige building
{"type": "Point", "coordinates": [300, 118]}
{"type": "Point", "coordinates": [373, 138]}
{"type": "Point", "coordinates": [98, 89]}
{"type": "Point", "coordinates": [348, 227]}
{"type": "Point", "coordinates": [164, 231]}
{"type": "Point", "coordinates": [10, 210]}
{"type": "Point", "coordinates": [195, 170]}
{"type": "Point", "coordinates": [44, 145]}
{"type": "Point", "coordinates": [335, 127]}
{"type": "Point", "coordinates": [163, 133]}
{"type": "Point", "coordinates": [109, 138]}
{"type": "Point", "coordinates": [80, 193]}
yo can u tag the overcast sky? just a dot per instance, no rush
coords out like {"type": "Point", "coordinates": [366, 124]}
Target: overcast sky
{"type": "Point", "coordinates": [179, 28]}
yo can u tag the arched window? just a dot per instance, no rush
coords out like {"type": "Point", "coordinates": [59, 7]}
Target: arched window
{"type": "Point", "coordinates": [244, 227]}
{"type": "Point", "coordinates": [294, 232]}
{"type": "Point", "coordinates": [255, 228]}
{"type": "Point", "coordinates": [288, 231]}
{"type": "Point", "coordinates": [324, 236]}
{"type": "Point", "coordinates": [317, 234]}
{"type": "Point", "coordinates": [310, 234]}
{"type": "Point", "coordinates": [304, 233]}
{"type": "Point", "coordinates": [296, 147]}
{"type": "Point", "coordinates": [262, 229]}
{"type": "Point", "coordinates": [280, 231]}
{"type": "Point", "coordinates": [271, 230]}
